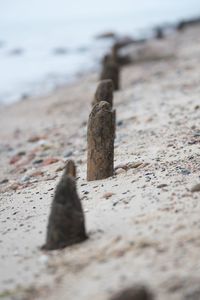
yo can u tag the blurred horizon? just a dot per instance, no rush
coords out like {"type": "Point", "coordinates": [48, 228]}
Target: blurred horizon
{"type": "Point", "coordinates": [32, 31]}
{"type": "Point", "coordinates": [38, 9]}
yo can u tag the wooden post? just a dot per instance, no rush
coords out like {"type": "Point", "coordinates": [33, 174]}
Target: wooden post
{"type": "Point", "coordinates": [104, 92]}
{"type": "Point", "coordinates": [110, 70]}
{"type": "Point", "coordinates": [137, 292]}
{"type": "Point", "coordinates": [100, 139]}
{"type": "Point", "coordinates": [66, 225]}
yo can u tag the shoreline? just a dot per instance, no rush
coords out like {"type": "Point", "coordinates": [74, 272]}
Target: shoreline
{"type": "Point", "coordinates": [147, 34]}
{"type": "Point", "coordinates": [148, 230]}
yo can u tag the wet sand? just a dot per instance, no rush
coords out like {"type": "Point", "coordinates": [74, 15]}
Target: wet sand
{"type": "Point", "coordinates": [143, 223]}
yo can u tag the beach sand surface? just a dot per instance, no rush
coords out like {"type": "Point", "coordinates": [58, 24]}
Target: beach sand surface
{"type": "Point", "coordinates": [143, 223]}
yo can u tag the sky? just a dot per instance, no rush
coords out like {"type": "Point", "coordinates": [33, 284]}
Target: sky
{"type": "Point", "coordinates": [59, 9]}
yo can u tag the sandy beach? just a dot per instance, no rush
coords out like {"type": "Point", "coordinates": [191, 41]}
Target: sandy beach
{"type": "Point", "coordinates": [143, 223]}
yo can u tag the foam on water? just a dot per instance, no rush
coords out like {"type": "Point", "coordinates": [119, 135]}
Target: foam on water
{"type": "Point", "coordinates": [46, 43]}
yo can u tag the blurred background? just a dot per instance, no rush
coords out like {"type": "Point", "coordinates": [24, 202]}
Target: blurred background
{"type": "Point", "coordinates": [46, 43]}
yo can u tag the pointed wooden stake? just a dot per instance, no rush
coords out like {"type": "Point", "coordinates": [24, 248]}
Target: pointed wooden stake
{"type": "Point", "coordinates": [66, 225]}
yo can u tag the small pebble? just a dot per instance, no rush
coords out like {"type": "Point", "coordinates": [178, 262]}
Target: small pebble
{"type": "Point", "coordinates": [120, 123]}
{"type": "Point", "coordinates": [35, 138]}
{"type": "Point", "coordinates": [25, 178]}
{"type": "Point", "coordinates": [68, 154]}
{"type": "Point", "coordinates": [120, 171]}
{"type": "Point", "coordinates": [162, 185]}
{"type": "Point", "coordinates": [37, 161]}
{"type": "Point", "coordinates": [185, 172]}
{"type": "Point", "coordinates": [4, 181]}
{"type": "Point", "coordinates": [108, 195]}
{"type": "Point", "coordinates": [50, 161]}
{"type": "Point", "coordinates": [43, 259]}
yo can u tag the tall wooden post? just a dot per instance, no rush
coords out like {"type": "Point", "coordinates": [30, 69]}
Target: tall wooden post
{"type": "Point", "coordinates": [104, 92]}
{"type": "Point", "coordinates": [100, 139]}
{"type": "Point", "coordinates": [111, 70]}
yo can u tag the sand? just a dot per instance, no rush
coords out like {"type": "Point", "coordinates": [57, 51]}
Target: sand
{"type": "Point", "coordinates": [143, 223]}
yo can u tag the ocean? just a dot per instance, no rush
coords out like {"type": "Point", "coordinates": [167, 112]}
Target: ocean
{"type": "Point", "coordinates": [47, 43]}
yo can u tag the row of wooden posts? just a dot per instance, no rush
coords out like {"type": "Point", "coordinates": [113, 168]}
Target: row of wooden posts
{"type": "Point", "coordinates": [66, 224]}
{"type": "Point", "coordinates": [102, 119]}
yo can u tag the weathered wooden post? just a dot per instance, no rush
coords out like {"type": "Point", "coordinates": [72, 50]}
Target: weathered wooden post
{"type": "Point", "coordinates": [111, 70]}
{"type": "Point", "coordinates": [104, 92]}
{"type": "Point", "coordinates": [138, 292]}
{"type": "Point", "coordinates": [66, 225]}
{"type": "Point", "coordinates": [100, 139]}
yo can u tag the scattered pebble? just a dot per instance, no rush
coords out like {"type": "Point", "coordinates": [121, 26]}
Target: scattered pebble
{"type": "Point", "coordinates": [35, 138]}
{"type": "Point", "coordinates": [68, 154]}
{"type": "Point", "coordinates": [127, 166]}
{"type": "Point", "coordinates": [108, 195]}
{"type": "Point", "coordinates": [37, 173]}
{"type": "Point", "coordinates": [120, 171]}
{"type": "Point", "coordinates": [185, 171]}
{"type": "Point", "coordinates": [43, 259]}
{"type": "Point", "coordinates": [21, 153]}
{"type": "Point", "coordinates": [120, 123]}
{"type": "Point", "coordinates": [37, 161]}
{"type": "Point", "coordinates": [50, 161]}
{"type": "Point", "coordinates": [25, 178]}
{"type": "Point", "coordinates": [196, 134]}
{"type": "Point", "coordinates": [4, 181]}
{"type": "Point", "coordinates": [15, 159]}
{"type": "Point", "coordinates": [162, 185]}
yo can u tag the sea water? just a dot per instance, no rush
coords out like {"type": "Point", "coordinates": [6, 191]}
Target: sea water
{"type": "Point", "coordinates": [47, 43]}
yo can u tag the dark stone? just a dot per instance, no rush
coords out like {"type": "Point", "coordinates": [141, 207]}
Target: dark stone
{"type": "Point", "coordinates": [68, 154]}
{"type": "Point", "coordinates": [162, 185]}
{"type": "Point", "coordinates": [196, 134]}
{"type": "Point", "coordinates": [21, 153]}
{"type": "Point", "coordinates": [37, 161]}
{"type": "Point", "coordinates": [185, 172]}
{"type": "Point", "coordinates": [120, 123]}
{"type": "Point", "coordinates": [4, 181]}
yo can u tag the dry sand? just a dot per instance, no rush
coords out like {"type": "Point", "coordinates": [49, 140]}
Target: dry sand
{"type": "Point", "coordinates": [144, 223]}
